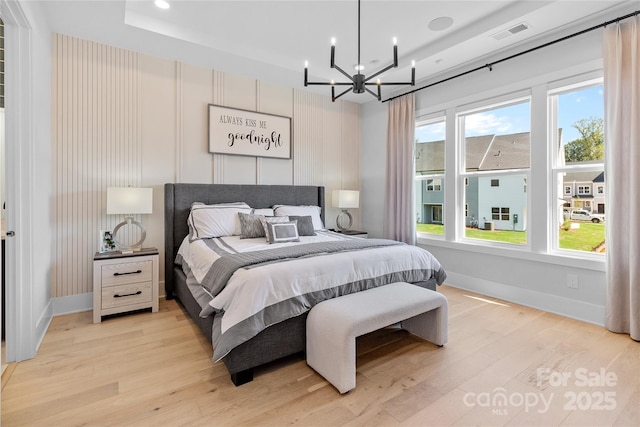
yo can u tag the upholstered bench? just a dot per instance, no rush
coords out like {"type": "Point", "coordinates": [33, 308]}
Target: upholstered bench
{"type": "Point", "coordinates": [333, 325]}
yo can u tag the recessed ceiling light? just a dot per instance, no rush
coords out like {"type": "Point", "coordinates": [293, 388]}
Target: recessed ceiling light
{"type": "Point", "coordinates": [162, 4]}
{"type": "Point", "coordinates": [441, 23]}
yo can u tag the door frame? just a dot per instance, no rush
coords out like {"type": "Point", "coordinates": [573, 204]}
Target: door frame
{"type": "Point", "coordinates": [19, 139]}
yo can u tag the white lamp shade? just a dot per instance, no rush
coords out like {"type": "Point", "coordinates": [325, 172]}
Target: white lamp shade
{"type": "Point", "coordinates": [346, 199]}
{"type": "Point", "coordinates": [129, 200]}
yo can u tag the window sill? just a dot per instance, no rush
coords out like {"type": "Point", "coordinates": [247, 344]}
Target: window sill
{"type": "Point", "coordinates": [587, 262]}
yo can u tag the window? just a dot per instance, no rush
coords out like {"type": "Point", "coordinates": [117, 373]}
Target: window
{"type": "Point", "coordinates": [434, 184]}
{"type": "Point", "coordinates": [584, 189]}
{"type": "Point", "coordinates": [577, 114]}
{"type": "Point", "coordinates": [496, 164]}
{"type": "Point", "coordinates": [429, 175]}
{"type": "Point", "coordinates": [493, 143]}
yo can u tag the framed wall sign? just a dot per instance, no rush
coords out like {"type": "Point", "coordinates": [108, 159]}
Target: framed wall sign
{"type": "Point", "coordinates": [248, 133]}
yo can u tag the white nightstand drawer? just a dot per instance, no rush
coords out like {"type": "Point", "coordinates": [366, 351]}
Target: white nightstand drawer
{"type": "Point", "coordinates": [123, 295]}
{"type": "Point", "coordinates": [126, 272]}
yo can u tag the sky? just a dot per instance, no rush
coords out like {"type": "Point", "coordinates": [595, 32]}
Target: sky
{"type": "Point", "coordinates": [572, 107]}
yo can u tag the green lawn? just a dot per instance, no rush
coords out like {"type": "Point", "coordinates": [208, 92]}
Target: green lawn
{"type": "Point", "coordinates": [585, 238]}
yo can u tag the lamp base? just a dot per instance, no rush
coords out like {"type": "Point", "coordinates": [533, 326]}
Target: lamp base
{"type": "Point", "coordinates": [129, 249]}
{"type": "Point", "coordinates": [344, 221]}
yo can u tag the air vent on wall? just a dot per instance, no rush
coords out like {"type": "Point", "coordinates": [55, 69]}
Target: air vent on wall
{"type": "Point", "coordinates": [510, 31]}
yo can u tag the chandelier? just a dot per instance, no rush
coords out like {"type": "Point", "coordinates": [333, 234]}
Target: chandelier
{"type": "Point", "coordinates": [358, 82]}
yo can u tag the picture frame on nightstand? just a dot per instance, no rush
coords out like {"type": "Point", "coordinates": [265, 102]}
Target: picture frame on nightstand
{"type": "Point", "coordinates": [107, 243]}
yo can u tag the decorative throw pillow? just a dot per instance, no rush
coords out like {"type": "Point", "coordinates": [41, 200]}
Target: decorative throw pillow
{"type": "Point", "coordinates": [282, 232]}
{"type": "Point", "coordinates": [251, 226]}
{"type": "Point", "coordinates": [266, 220]}
{"type": "Point", "coordinates": [313, 211]}
{"type": "Point", "coordinates": [207, 221]}
{"type": "Point", "coordinates": [305, 225]}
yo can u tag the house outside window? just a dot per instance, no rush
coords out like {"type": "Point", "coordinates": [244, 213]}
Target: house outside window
{"type": "Point", "coordinates": [429, 175]}
{"type": "Point", "coordinates": [496, 166]}
{"type": "Point", "coordinates": [584, 189]}
{"type": "Point", "coordinates": [576, 111]}
{"type": "Point", "coordinates": [434, 184]}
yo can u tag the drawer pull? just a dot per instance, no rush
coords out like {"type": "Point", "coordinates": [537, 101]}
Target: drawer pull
{"type": "Point", "coordinates": [127, 295]}
{"type": "Point", "coordinates": [129, 272]}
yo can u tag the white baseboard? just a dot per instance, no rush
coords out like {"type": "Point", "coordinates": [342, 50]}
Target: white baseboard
{"type": "Point", "coordinates": [72, 304]}
{"type": "Point", "coordinates": [43, 324]}
{"type": "Point", "coordinates": [574, 309]}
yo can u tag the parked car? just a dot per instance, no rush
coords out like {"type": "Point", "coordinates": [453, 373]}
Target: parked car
{"type": "Point", "coordinates": [582, 215]}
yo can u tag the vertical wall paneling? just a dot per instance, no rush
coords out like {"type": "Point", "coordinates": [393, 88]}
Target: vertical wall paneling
{"type": "Point", "coordinates": [124, 118]}
{"type": "Point", "coordinates": [276, 100]}
{"type": "Point", "coordinates": [94, 145]}
{"type": "Point", "coordinates": [196, 162]}
{"type": "Point", "coordinates": [179, 123]}
{"type": "Point", "coordinates": [309, 138]}
{"type": "Point", "coordinates": [240, 92]}
{"type": "Point", "coordinates": [218, 99]}
{"type": "Point", "coordinates": [258, 159]}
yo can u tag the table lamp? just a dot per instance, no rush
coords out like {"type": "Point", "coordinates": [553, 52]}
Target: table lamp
{"type": "Point", "coordinates": [129, 201]}
{"type": "Point", "coordinates": [345, 199]}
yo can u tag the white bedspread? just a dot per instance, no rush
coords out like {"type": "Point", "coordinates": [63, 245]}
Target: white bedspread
{"type": "Point", "coordinates": [257, 297]}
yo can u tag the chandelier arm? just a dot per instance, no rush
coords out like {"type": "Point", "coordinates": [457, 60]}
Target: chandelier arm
{"type": "Point", "coordinates": [377, 96]}
{"type": "Point", "coordinates": [343, 72]}
{"type": "Point", "coordinates": [329, 84]}
{"type": "Point", "coordinates": [379, 72]}
{"type": "Point", "coordinates": [343, 93]}
{"type": "Point", "coordinates": [389, 84]}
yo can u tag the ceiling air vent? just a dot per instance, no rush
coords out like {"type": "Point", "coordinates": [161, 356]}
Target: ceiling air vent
{"type": "Point", "coordinates": [510, 31]}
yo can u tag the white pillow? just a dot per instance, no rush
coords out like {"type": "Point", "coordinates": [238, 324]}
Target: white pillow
{"type": "Point", "coordinates": [312, 211]}
{"type": "Point", "coordinates": [263, 212]}
{"type": "Point", "coordinates": [207, 221]}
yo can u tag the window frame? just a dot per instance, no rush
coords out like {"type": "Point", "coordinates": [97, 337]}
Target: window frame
{"type": "Point", "coordinates": [426, 120]}
{"type": "Point", "coordinates": [557, 171]}
{"type": "Point", "coordinates": [506, 100]}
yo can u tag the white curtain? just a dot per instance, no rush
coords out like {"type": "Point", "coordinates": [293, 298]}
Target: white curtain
{"type": "Point", "coordinates": [621, 52]}
{"type": "Point", "coordinates": [399, 219]}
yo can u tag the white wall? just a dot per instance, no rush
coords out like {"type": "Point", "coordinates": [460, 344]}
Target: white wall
{"type": "Point", "coordinates": [531, 277]}
{"type": "Point", "coordinates": [126, 118]}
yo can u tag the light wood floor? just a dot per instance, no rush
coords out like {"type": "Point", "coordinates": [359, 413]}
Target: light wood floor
{"type": "Point", "coordinates": [153, 369]}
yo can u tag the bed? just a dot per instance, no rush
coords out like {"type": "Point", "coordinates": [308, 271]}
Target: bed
{"type": "Point", "coordinates": [280, 339]}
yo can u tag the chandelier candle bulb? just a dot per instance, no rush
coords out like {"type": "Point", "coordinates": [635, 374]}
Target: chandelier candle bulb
{"type": "Point", "coordinates": [413, 73]}
{"type": "Point", "coordinates": [395, 52]}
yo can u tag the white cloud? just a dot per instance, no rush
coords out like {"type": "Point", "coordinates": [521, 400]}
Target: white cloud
{"type": "Point", "coordinates": [488, 123]}
{"type": "Point", "coordinates": [432, 132]}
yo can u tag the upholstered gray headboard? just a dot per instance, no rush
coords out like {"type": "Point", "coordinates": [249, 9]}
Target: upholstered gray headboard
{"type": "Point", "coordinates": [179, 197]}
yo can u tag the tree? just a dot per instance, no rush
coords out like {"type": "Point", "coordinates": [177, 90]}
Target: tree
{"type": "Point", "coordinates": [590, 146]}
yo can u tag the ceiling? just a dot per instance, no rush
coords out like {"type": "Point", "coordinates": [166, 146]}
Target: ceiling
{"type": "Point", "coordinates": [270, 40]}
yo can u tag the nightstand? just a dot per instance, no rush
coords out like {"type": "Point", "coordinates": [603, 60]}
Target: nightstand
{"type": "Point", "coordinates": [354, 233]}
{"type": "Point", "coordinates": [125, 282]}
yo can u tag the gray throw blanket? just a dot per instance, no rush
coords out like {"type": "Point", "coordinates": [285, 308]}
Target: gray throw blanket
{"type": "Point", "coordinates": [224, 267]}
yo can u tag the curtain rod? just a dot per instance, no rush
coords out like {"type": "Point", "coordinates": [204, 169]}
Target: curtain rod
{"type": "Point", "coordinates": [490, 65]}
